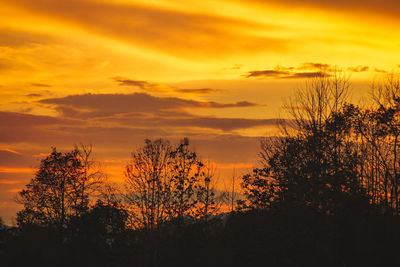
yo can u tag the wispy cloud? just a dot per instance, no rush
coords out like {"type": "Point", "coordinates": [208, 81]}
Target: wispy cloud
{"type": "Point", "coordinates": [380, 70]}
{"type": "Point", "coordinates": [101, 105]}
{"type": "Point", "coordinates": [389, 7]}
{"type": "Point", "coordinates": [34, 95]}
{"type": "Point", "coordinates": [162, 88]}
{"type": "Point", "coordinates": [188, 34]}
{"type": "Point", "coordinates": [358, 69]}
{"type": "Point", "coordinates": [280, 72]}
{"type": "Point", "coordinates": [40, 85]}
{"type": "Point", "coordinates": [305, 70]}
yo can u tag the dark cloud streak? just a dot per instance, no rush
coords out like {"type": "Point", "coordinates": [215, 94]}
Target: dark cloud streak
{"type": "Point", "coordinates": [358, 69]}
{"type": "Point", "coordinates": [160, 88]}
{"type": "Point", "coordinates": [315, 70]}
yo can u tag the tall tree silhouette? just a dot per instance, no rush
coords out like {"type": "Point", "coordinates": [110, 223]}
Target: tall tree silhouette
{"type": "Point", "coordinates": [148, 183]}
{"type": "Point", "coordinates": [187, 171]}
{"type": "Point", "coordinates": [163, 182]}
{"type": "Point", "coordinates": [379, 131]}
{"type": "Point", "coordinates": [316, 162]}
{"type": "Point", "coordinates": [59, 190]}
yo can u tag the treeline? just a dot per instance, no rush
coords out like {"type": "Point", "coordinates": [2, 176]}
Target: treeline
{"type": "Point", "coordinates": [326, 193]}
{"type": "Point", "coordinates": [162, 183]}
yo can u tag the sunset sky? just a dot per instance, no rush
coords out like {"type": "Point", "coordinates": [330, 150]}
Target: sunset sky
{"type": "Point", "coordinates": [114, 72]}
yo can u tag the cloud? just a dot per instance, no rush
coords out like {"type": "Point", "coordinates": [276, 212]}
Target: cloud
{"type": "Point", "coordinates": [200, 91]}
{"type": "Point", "coordinates": [11, 159]}
{"type": "Point", "coordinates": [148, 112]}
{"type": "Point", "coordinates": [358, 69]}
{"type": "Point", "coordinates": [387, 7]}
{"type": "Point", "coordinates": [380, 70]}
{"type": "Point", "coordinates": [314, 66]}
{"type": "Point", "coordinates": [9, 182]}
{"type": "Point", "coordinates": [267, 73]}
{"type": "Point", "coordinates": [103, 105]}
{"type": "Point", "coordinates": [315, 70]}
{"type": "Point", "coordinates": [128, 82]}
{"type": "Point", "coordinates": [6, 64]}
{"type": "Point", "coordinates": [187, 34]}
{"type": "Point", "coordinates": [161, 88]}
{"type": "Point", "coordinates": [235, 67]}
{"type": "Point", "coordinates": [188, 120]}
{"type": "Point", "coordinates": [308, 75]}
{"type": "Point", "coordinates": [40, 85]}
{"type": "Point", "coordinates": [113, 131]}
{"type": "Point", "coordinates": [19, 127]}
{"type": "Point", "coordinates": [34, 95]}
{"type": "Point", "coordinates": [21, 120]}
{"type": "Point", "coordinates": [137, 111]}
{"type": "Point", "coordinates": [17, 38]}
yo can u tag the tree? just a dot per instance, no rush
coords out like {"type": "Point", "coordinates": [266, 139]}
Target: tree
{"type": "Point", "coordinates": [316, 163]}
{"type": "Point", "coordinates": [103, 223]}
{"type": "Point", "coordinates": [259, 189]}
{"type": "Point", "coordinates": [311, 105]}
{"type": "Point", "coordinates": [379, 131]}
{"type": "Point", "coordinates": [59, 190]}
{"type": "Point", "coordinates": [187, 172]}
{"type": "Point", "coordinates": [206, 193]}
{"type": "Point", "coordinates": [164, 183]}
{"type": "Point", "coordinates": [148, 182]}
{"type": "Point", "coordinates": [92, 178]}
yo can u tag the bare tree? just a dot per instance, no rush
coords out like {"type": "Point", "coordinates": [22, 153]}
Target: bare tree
{"type": "Point", "coordinates": [316, 161]}
{"type": "Point", "coordinates": [312, 104]}
{"type": "Point", "coordinates": [91, 179]}
{"type": "Point", "coordinates": [148, 183]}
{"type": "Point", "coordinates": [379, 129]}
{"type": "Point", "coordinates": [206, 192]}
{"type": "Point", "coordinates": [163, 183]}
{"type": "Point", "coordinates": [187, 174]}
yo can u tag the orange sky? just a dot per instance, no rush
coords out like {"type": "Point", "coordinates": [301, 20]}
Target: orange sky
{"type": "Point", "coordinates": [113, 72]}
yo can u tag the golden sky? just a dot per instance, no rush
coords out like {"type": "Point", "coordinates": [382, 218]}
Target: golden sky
{"type": "Point", "coordinates": [113, 72]}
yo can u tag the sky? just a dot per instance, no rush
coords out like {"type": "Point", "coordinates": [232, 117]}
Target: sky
{"type": "Point", "coordinates": [114, 72]}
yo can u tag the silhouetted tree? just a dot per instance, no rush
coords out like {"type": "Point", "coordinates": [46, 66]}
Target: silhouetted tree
{"type": "Point", "coordinates": [164, 183]}
{"type": "Point", "coordinates": [379, 130]}
{"type": "Point", "coordinates": [312, 104]}
{"type": "Point", "coordinates": [148, 183]}
{"type": "Point", "coordinates": [187, 172]}
{"type": "Point", "coordinates": [259, 189]}
{"type": "Point", "coordinates": [59, 190]}
{"type": "Point", "coordinates": [92, 178]}
{"type": "Point", "coordinates": [206, 193]}
{"type": "Point", "coordinates": [104, 223]}
{"type": "Point", "coordinates": [317, 162]}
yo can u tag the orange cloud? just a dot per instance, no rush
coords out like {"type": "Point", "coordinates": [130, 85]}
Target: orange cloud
{"type": "Point", "coordinates": [358, 69]}
{"type": "Point", "coordinates": [161, 88]}
{"type": "Point", "coordinates": [192, 35]}
{"type": "Point", "coordinates": [315, 70]}
{"type": "Point", "coordinates": [387, 7]}
{"type": "Point", "coordinates": [16, 170]}
{"type": "Point", "coordinates": [10, 150]}
{"type": "Point", "coordinates": [9, 182]}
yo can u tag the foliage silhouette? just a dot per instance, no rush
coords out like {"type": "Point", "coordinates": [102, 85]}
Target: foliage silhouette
{"type": "Point", "coordinates": [60, 189]}
{"type": "Point", "coordinates": [165, 183]}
